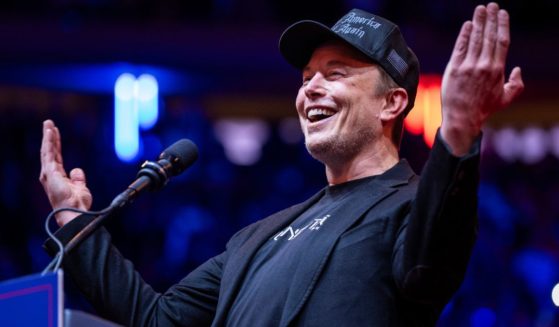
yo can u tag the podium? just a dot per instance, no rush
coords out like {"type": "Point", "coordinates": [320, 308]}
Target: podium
{"type": "Point", "coordinates": [38, 300]}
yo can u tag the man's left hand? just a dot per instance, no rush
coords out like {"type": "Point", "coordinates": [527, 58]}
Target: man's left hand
{"type": "Point", "coordinates": [474, 84]}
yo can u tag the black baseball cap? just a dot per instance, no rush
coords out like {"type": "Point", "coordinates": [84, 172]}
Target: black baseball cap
{"type": "Point", "coordinates": [377, 38]}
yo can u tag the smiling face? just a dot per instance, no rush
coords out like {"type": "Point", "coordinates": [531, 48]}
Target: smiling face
{"type": "Point", "coordinates": [338, 104]}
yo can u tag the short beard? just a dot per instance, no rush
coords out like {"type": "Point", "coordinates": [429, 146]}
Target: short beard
{"type": "Point", "coordinates": [340, 149]}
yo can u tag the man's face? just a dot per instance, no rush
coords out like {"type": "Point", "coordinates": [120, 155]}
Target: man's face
{"type": "Point", "coordinates": [338, 104]}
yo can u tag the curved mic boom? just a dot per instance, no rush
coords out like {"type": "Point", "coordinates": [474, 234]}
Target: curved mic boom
{"type": "Point", "coordinates": [153, 175]}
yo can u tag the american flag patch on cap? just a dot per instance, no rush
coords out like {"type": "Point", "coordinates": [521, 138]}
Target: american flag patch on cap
{"type": "Point", "coordinates": [397, 62]}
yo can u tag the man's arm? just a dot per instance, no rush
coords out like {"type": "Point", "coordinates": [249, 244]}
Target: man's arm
{"type": "Point", "coordinates": [108, 280]}
{"type": "Point", "coordinates": [119, 293]}
{"type": "Point", "coordinates": [437, 237]}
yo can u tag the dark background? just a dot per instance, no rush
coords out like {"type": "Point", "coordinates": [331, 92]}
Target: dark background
{"type": "Point", "coordinates": [217, 63]}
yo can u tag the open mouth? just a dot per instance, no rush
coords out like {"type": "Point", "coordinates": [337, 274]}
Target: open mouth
{"type": "Point", "coordinates": [317, 114]}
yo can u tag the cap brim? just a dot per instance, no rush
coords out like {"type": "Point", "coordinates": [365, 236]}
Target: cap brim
{"type": "Point", "coordinates": [298, 41]}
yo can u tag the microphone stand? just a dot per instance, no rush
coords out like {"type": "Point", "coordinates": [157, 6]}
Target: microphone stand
{"type": "Point", "coordinates": [82, 235]}
{"type": "Point", "coordinates": [150, 172]}
{"type": "Point", "coordinates": [153, 176]}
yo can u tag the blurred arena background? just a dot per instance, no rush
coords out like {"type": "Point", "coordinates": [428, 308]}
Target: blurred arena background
{"type": "Point", "coordinates": [222, 83]}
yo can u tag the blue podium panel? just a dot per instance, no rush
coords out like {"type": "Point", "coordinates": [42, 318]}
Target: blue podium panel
{"type": "Point", "coordinates": [32, 300]}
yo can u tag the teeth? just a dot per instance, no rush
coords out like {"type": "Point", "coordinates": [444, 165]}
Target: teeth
{"type": "Point", "coordinates": [317, 113]}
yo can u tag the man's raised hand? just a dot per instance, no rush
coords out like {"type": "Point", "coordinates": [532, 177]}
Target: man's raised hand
{"type": "Point", "coordinates": [62, 190]}
{"type": "Point", "coordinates": [474, 85]}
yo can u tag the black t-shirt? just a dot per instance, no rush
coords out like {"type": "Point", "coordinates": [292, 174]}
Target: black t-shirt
{"type": "Point", "coordinates": [261, 298]}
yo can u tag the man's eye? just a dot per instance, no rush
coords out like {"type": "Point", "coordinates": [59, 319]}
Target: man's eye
{"type": "Point", "coordinates": [336, 74]}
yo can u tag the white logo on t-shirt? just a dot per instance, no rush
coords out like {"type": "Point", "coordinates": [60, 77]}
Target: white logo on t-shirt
{"type": "Point", "coordinates": [293, 233]}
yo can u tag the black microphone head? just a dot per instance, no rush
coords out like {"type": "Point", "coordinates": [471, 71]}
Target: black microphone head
{"type": "Point", "coordinates": [181, 155]}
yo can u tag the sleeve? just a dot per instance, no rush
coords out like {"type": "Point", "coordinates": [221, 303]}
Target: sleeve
{"type": "Point", "coordinates": [118, 292]}
{"type": "Point", "coordinates": [436, 238]}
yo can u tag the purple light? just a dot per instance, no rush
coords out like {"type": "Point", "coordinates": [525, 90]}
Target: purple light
{"type": "Point", "coordinates": [554, 141]}
{"type": "Point", "coordinates": [506, 144]}
{"type": "Point", "coordinates": [289, 130]}
{"type": "Point", "coordinates": [242, 139]}
{"type": "Point", "coordinates": [535, 143]}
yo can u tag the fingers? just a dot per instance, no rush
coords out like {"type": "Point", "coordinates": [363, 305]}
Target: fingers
{"type": "Point", "coordinates": [77, 176]}
{"type": "Point", "coordinates": [513, 87]}
{"type": "Point", "coordinates": [503, 36]}
{"type": "Point", "coordinates": [47, 153]}
{"type": "Point", "coordinates": [47, 142]}
{"type": "Point", "coordinates": [490, 32]}
{"type": "Point", "coordinates": [51, 140]}
{"type": "Point", "coordinates": [476, 39]}
{"type": "Point", "coordinates": [51, 157]}
{"type": "Point", "coordinates": [57, 145]}
{"type": "Point", "coordinates": [490, 36]}
{"type": "Point", "coordinates": [461, 45]}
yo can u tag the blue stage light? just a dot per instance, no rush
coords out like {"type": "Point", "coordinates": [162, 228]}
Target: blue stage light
{"type": "Point", "coordinates": [483, 317]}
{"type": "Point", "coordinates": [148, 94]}
{"type": "Point", "coordinates": [126, 139]}
{"type": "Point", "coordinates": [136, 105]}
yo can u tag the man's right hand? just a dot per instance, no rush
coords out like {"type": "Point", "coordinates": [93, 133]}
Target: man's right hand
{"type": "Point", "coordinates": [61, 189]}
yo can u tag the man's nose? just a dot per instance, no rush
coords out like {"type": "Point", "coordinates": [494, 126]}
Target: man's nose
{"type": "Point", "coordinates": [315, 86]}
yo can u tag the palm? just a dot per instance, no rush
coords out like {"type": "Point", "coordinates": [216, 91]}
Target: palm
{"type": "Point", "coordinates": [62, 190]}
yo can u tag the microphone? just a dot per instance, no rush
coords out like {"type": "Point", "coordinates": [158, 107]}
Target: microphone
{"type": "Point", "coordinates": [154, 175]}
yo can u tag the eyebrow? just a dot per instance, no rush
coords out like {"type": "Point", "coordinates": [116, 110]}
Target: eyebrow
{"type": "Point", "coordinates": [331, 63]}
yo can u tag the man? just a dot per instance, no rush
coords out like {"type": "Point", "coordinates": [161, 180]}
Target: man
{"type": "Point", "coordinates": [378, 246]}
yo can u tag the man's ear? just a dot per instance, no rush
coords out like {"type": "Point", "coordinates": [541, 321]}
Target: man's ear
{"type": "Point", "coordinates": [396, 103]}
